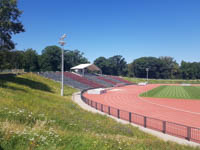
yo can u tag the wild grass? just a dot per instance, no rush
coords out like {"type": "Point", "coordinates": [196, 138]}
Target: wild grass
{"type": "Point", "coordinates": [180, 92]}
{"type": "Point", "coordinates": [164, 81]}
{"type": "Point", "coordinates": [33, 116]}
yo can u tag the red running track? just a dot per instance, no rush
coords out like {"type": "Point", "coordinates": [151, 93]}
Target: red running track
{"type": "Point", "coordinates": [181, 111]}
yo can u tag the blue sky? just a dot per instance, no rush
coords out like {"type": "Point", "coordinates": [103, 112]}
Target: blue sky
{"type": "Point", "coordinates": [131, 28]}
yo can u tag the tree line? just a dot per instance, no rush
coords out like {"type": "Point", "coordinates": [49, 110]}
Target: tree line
{"type": "Point", "coordinates": [164, 68]}
{"type": "Point", "coordinates": [49, 60]}
{"type": "Point", "coordinates": [158, 68]}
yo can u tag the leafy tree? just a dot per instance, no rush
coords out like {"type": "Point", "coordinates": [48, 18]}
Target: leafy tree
{"type": "Point", "coordinates": [190, 70]}
{"type": "Point", "coordinates": [4, 60]}
{"type": "Point", "coordinates": [31, 60]}
{"type": "Point", "coordinates": [115, 65]}
{"type": "Point", "coordinates": [131, 70]}
{"type": "Point", "coordinates": [73, 58]}
{"type": "Point", "coordinates": [139, 67]}
{"type": "Point", "coordinates": [9, 23]}
{"type": "Point", "coordinates": [169, 68]}
{"type": "Point", "coordinates": [103, 64]}
{"type": "Point", "coordinates": [17, 60]}
{"type": "Point", "coordinates": [163, 67]}
{"type": "Point", "coordinates": [11, 59]}
{"type": "Point", "coordinates": [118, 65]}
{"type": "Point", "coordinates": [51, 59]}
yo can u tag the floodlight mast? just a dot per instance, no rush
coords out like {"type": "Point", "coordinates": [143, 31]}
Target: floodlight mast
{"type": "Point", "coordinates": [62, 43]}
{"type": "Point", "coordinates": [147, 70]}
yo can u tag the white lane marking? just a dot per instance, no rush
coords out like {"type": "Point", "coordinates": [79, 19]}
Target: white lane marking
{"type": "Point", "coordinates": [113, 90]}
{"type": "Point", "coordinates": [196, 113]}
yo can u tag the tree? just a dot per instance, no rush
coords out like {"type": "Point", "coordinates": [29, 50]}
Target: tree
{"type": "Point", "coordinates": [11, 59]}
{"type": "Point", "coordinates": [31, 62]}
{"type": "Point", "coordinates": [16, 60]}
{"type": "Point", "coordinates": [51, 59]}
{"type": "Point", "coordinates": [169, 68]}
{"type": "Point", "coordinates": [131, 70]}
{"type": "Point", "coordinates": [9, 23]}
{"type": "Point", "coordinates": [118, 65]}
{"type": "Point", "coordinates": [102, 63]}
{"type": "Point", "coordinates": [139, 66]}
{"type": "Point", "coordinates": [73, 58]}
{"type": "Point", "coordinates": [115, 65]}
{"type": "Point", "coordinates": [190, 70]}
{"type": "Point", "coordinates": [4, 59]}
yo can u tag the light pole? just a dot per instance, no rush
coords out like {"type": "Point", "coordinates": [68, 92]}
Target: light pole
{"type": "Point", "coordinates": [62, 43]}
{"type": "Point", "coordinates": [147, 70]}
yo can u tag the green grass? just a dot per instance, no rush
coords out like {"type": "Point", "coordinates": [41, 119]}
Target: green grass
{"type": "Point", "coordinates": [167, 81]}
{"type": "Point", "coordinates": [33, 116]}
{"type": "Point", "coordinates": [180, 92]}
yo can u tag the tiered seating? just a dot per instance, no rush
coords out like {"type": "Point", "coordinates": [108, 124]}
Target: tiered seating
{"type": "Point", "coordinates": [88, 81]}
{"type": "Point", "coordinates": [121, 79]}
{"type": "Point", "coordinates": [50, 75]}
{"type": "Point", "coordinates": [96, 79]}
{"type": "Point", "coordinates": [107, 80]}
{"type": "Point", "coordinates": [111, 79]}
{"type": "Point", "coordinates": [82, 80]}
{"type": "Point", "coordinates": [68, 81]}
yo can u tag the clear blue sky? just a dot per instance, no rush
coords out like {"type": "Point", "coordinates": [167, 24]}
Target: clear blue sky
{"type": "Point", "coordinates": [131, 28]}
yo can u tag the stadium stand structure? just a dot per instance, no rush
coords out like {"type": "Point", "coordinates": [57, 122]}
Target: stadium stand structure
{"type": "Point", "coordinates": [111, 79]}
{"type": "Point", "coordinates": [107, 80]}
{"type": "Point", "coordinates": [120, 79]}
{"type": "Point", "coordinates": [96, 79]}
{"type": "Point", "coordinates": [68, 81]}
{"type": "Point", "coordinates": [82, 79]}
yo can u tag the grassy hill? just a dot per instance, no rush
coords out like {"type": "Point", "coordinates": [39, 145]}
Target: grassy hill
{"type": "Point", "coordinates": [33, 116]}
{"type": "Point", "coordinates": [164, 81]}
{"type": "Point", "coordinates": [181, 92]}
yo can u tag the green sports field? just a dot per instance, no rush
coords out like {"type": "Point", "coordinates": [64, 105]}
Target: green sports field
{"type": "Point", "coordinates": [180, 92]}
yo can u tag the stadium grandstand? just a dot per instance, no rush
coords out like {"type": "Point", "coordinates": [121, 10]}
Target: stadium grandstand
{"type": "Point", "coordinates": [85, 76]}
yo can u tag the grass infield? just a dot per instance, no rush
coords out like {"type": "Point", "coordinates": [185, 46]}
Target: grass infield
{"type": "Point", "coordinates": [178, 92]}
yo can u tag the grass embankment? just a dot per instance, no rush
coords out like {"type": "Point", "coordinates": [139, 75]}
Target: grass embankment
{"type": "Point", "coordinates": [33, 115]}
{"type": "Point", "coordinates": [166, 81]}
{"type": "Point", "coordinates": [180, 92]}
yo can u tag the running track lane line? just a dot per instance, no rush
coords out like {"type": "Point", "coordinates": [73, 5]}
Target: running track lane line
{"type": "Point", "coordinates": [196, 113]}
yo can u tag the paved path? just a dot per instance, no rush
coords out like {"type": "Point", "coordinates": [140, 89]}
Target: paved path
{"type": "Point", "coordinates": [165, 137]}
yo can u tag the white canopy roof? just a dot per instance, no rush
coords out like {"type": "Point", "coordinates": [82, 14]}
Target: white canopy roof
{"type": "Point", "coordinates": [88, 66]}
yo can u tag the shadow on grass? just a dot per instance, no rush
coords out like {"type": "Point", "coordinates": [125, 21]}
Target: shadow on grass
{"type": "Point", "coordinates": [22, 81]}
{"type": "Point", "coordinates": [11, 88]}
{"type": "Point", "coordinates": [1, 148]}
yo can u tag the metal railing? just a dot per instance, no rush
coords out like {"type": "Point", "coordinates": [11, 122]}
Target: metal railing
{"type": "Point", "coordinates": [171, 128]}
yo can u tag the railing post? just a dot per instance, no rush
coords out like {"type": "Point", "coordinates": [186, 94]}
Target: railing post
{"type": "Point", "coordinates": [130, 116]}
{"type": "Point", "coordinates": [145, 121]}
{"type": "Point", "coordinates": [96, 105]}
{"type": "Point", "coordinates": [109, 110]}
{"type": "Point", "coordinates": [102, 107]}
{"type": "Point", "coordinates": [118, 113]}
{"type": "Point", "coordinates": [188, 133]}
{"type": "Point", "coordinates": [164, 126]}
